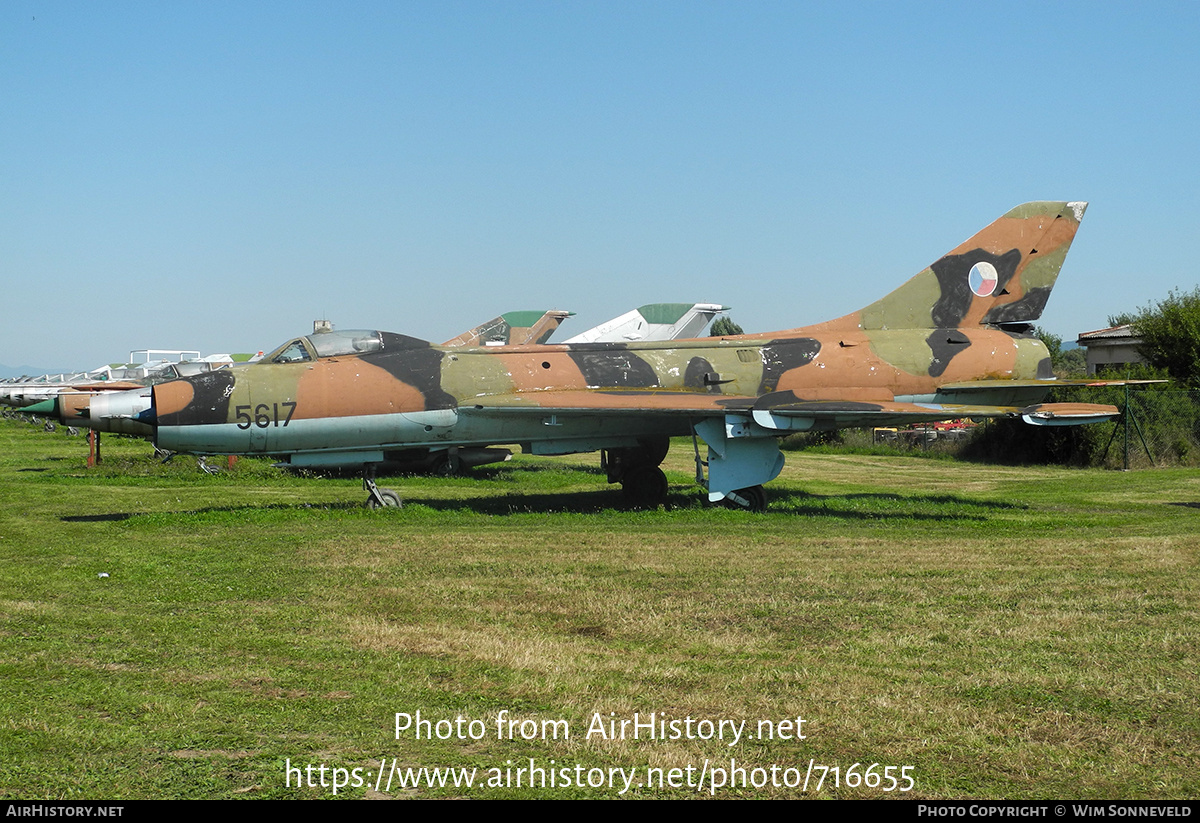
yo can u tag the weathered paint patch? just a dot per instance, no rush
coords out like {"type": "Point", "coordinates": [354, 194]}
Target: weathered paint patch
{"type": "Point", "coordinates": [1026, 309]}
{"type": "Point", "coordinates": [954, 275]}
{"type": "Point", "coordinates": [613, 368]}
{"type": "Point", "coordinates": [421, 369]}
{"type": "Point", "coordinates": [945, 344]}
{"type": "Point", "coordinates": [781, 356]}
{"type": "Point", "coordinates": [694, 375]}
{"type": "Point", "coordinates": [200, 399]}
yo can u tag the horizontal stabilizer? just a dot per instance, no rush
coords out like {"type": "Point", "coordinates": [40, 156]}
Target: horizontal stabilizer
{"type": "Point", "coordinates": [1068, 414]}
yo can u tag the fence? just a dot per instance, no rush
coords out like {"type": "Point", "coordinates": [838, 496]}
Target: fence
{"type": "Point", "coordinates": [1161, 428]}
{"type": "Point", "coordinates": [1158, 427]}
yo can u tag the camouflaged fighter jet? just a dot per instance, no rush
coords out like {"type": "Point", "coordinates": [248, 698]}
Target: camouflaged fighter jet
{"type": "Point", "coordinates": [654, 321]}
{"type": "Point", "coordinates": [514, 328]}
{"type": "Point", "coordinates": [954, 341]}
{"type": "Point", "coordinates": [117, 411]}
{"type": "Point", "coordinates": [112, 406]}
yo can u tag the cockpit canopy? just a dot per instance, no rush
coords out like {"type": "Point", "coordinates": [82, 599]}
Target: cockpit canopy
{"type": "Point", "coordinates": [340, 344]}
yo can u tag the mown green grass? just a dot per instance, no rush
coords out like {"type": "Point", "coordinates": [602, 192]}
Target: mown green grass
{"type": "Point", "coordinates": [1007, 632]}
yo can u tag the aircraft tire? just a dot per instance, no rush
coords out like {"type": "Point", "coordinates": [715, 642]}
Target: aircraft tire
{"type": "Point", "coordinates": [442, 467]}
{"type": "Point", "coordinates": [653, 451]}
{"type": "Point", "coordinates": [756, 495]}
{"type": "Point", "coordinates": [391, 500]}
{"type": "Point", "coordinates": [645, 486]}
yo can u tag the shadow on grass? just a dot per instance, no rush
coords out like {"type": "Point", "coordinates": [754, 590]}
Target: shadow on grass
{"type": "Point", "coordinates": [932, 499]}
{"type": "Point", "coordinates": [113, 517]}
{"type": "Point", "coordinates": [886, 506]}
{"type": "Point", "coordinates": [493, 472]}
{"type": "Point", "coordinates": [97, 518]}
{"type": "Point", "coordinates": [860, 506]}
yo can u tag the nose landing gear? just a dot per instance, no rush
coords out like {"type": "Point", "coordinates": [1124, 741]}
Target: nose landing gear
{"type": "Point", "coordinates": [378, 498]}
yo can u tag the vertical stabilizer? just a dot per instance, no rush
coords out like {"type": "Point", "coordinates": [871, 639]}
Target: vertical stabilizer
{"type": "Point", "coordinates": [654, 321]}
{"type": "Point", "coordinates": [1002, 275]}
{"type": "Point", "coordinates": [516, 328]}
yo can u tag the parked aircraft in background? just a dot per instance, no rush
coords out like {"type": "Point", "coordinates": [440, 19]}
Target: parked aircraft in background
{"type": "Point", "coordinates": [955, 341]}
{"type": "Point", "coordinates": [118, 392]}
{"type": "Point", "coordinates": [28, 392]}
{"type": "Point", "coordinates": [78, 405]}
{"type": "Point", "coordinates": [654, 321]}
{"type": "Point", "coordinates": [514, 328]}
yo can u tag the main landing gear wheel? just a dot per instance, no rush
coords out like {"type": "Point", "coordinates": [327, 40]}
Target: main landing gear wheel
{"type": "Point", "coordinates": [653, 450]}
{"type": "Point", "coordinates": [636, 469]}
{"type": "Point", "coordinates": [384, 498]}
{"type": "Point", "coordinates": [752, 499]}
{"type": "Point", "coordinates": [445, 466]}
{"type": "Point", "coordinates": [644, 486]}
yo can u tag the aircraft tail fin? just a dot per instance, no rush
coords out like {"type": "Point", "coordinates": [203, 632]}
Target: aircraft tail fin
{"type": "Point", "coordinates": [654, 321]}
{"type": "Point", "coordinates": [515, 328]}
{"type": "Point", "coordinates": [1003, 275]}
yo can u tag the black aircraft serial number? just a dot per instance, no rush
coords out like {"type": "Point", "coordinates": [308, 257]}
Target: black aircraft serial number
{"type": "Point", "coordinates": [264, 415]}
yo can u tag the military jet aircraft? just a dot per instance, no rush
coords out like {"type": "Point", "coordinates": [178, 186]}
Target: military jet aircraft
{"type": "Point", "coordinates": [514, 328]}
{"type": "Point", "coordinates": [654, 321]}
{"type": "Point", "coordinates": [111, 405]}
{"type": "Point", "coordinates": [27, 392]}
{"type": "Point", "coordinates": [955, 341]}
{"type": "Point", "coordinates": [117, 412]}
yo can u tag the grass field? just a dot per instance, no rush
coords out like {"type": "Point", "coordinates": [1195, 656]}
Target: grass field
{"type": "Point", "coordinates": [1002, 632]}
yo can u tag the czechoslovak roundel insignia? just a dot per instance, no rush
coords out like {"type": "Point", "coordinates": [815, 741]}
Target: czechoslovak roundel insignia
{"type": "Point", "coordinates": [982, 278]}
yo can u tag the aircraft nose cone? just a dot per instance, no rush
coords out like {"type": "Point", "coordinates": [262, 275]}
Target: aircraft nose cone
{"type": "Point", "coordinates": [46, 407]}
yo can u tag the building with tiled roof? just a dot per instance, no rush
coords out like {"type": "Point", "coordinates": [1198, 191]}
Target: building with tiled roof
{"type": "Point", "coordinates": [1110, 348]}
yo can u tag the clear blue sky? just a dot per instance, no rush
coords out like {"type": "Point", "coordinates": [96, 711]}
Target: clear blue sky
{"type": "Point", "coordinates": [216, 175]}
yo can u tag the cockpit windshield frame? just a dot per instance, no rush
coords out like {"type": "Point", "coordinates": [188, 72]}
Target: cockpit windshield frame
{"type": "Point", "coordinates": [351, 341]}
{"type": "Point", "coordinates": [293, 351]}
{"type": "Point", "coordinates": [327, 344]}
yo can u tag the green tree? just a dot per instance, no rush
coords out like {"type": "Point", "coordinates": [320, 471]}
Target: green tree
{"type": "Point", "coordinates": [1170, 335]}
{"type": "Point", "coordinates": [1065, 362]}
{"type": "Point", "coordinates": [1072, 363]}
{"type": "Point", "coordinates": [1053, 343]}
{"type": "Point", "coordinates": [723, 326]}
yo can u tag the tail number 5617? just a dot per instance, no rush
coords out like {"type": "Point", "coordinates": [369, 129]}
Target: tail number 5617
{"type": "Point", "coordinates": [264, 415]}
